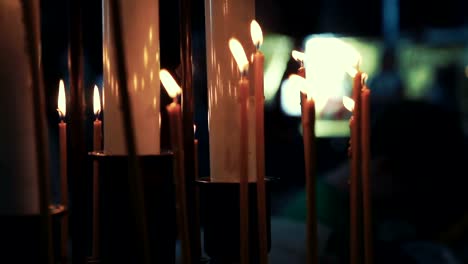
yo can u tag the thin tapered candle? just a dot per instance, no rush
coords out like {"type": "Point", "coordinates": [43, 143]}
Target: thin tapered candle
{"type": "Point", "coordinates": [308, 132]}
{"type": "Point", "coordinates": [185, 22]}
{"type": "Point", "coordinates": [239, 55]}
{"type": "Point", "coordinates": [97, 146]}
{"type": "Point", "coordinates": [62, 110]}
{"type": "Point", "coordinates": [355, 124]}
{"type": "Point", "coordinates": [258, 64]}
{"type": "Point", "coordinates": [366, 177]}
{"type": "Point", "coordinates": [175, 119]}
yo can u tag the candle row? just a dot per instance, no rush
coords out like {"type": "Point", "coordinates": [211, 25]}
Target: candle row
{"type": "Point", "coordinates": [97, 125]}
{"type": "Point", "coordinates": [245, 99]}
{"type": "Point", "coordinates": [97, 146]}
{"type": "Point", "coordinates": [359, 105]}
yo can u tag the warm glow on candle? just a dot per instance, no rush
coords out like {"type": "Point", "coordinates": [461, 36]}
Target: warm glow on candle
{"type": "Point", "coordinates": [298, 56]}
{"type": "Point", "coordinates": [348, 103]}
{"type": "Point", "coordinates": [62, 103]}
{"type": "Point", "coordinates": [354, 59]}
{"type": "Point", "coordinates": [96, 101]}
{"type": "Point", "coordinates": [171, 86]}
{"type": "Point", "coordinates": [352, 71]}
{"type": "Point", "coordinates": [239, 54]}
{"type": "Point", "coordinates": [299, 83]}
{"type": "Point", "coordinates": [256, 33]}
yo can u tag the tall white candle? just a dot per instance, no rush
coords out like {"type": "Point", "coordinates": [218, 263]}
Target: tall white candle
{"type": "Point", "coordinates": [223, 20]}
{"type": "Point", "coordinates": [140, 28]}
{"type": "Point", "coordinates": [19, 191]}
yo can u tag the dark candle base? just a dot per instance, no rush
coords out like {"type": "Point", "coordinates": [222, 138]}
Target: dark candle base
{"type": "Point", "coordinates": [220, 220]}
{"type": "Point", "coordinates": [20, 237]}
{"type": "Point", "coordinates": [117, 230]}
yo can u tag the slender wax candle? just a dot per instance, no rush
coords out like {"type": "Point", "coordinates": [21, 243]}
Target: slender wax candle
{"type": "Point", "coordinates": [355, 153]}
{"type": "Point", "coordinates": [62, 111]}
{"type": "Point", "coordinates": [258, 65]}
{"type": "Point", "coordinates": [241, 59]}
{"type": "Point", "coordinates": [175, 119]}
{"type": "Point", "coordinates": [366, 177]}
{"type": "Point", "coordinates": [308, 132]}
{"type": "Point", "coordinates": [97, 124]}
{"type": "Point", "coordinates": [97, 146]}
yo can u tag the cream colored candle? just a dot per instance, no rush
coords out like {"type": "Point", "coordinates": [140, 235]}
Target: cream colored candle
{"type": "Point", "coordinates": [225, 19]}
{"type": "Point", "coordinates": [140, 29]}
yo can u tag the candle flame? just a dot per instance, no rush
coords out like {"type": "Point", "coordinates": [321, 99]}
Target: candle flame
{"type": "Point", "coordinates": [348, 103]}
{"type": "Point", "coordinates": [171, 86]}
{"type": "Point", "coordinates": [96, 101]}
{"type": "Point", "coordinates": [61, 102]}
{"type": "Point", "coordinates": [354, 58]}
{"type": "Point", "coordinates": [299, 83]}
{"type": "Point", "coordinates": [364, 78]}
{"type": "Point", "coordinates": [298, 56]}
{"type": "Point", "coordinates": [352, 71]}
{"type": "Point", "coordinates": [194, 128]}
{"type": "Point", "coordinates": [256, 33]}
{"type": "Point", "coordinates": [239, 54]}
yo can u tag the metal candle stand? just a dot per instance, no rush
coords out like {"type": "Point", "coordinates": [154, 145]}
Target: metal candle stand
{"type": "Point", "coordinates": [219, 205]}
{"type": "Point", "coordinates": [117, 230]}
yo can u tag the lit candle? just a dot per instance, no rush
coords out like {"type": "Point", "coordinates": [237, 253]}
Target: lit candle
{"type": "Point", "coordinates": [355, 153]}
{"type": "Point", "coordinates": [62, 111]}
{"type": "Point", "coordinates": [300, 57]}
{"type": "Point", "coordinates": [97, 146]}
{"type": "Point", "coordinates": [355, 171]}
{"type": "Point", "coordinates": [308, 132]}
{"type": "Point", "coordinates": [97, 125]}
{"type": "Point", "coordinates": [241, 59]}
{"type": "Point", "coordinates": [365, 167]}
{"type": "Point", "coordinates": [175, 119]}
{"type": "Point", "coordinates": [258, 64]}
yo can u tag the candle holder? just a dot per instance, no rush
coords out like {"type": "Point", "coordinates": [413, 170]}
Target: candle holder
{"type": "Point", "coordinates": [22, 233]}
{"type": "Point", "coordinates": [117, 230]}
{"type": "Point", "coordinates": [219, 212]}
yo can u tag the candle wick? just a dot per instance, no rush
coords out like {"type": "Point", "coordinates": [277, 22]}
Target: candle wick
{"type": "Point", "coordinates": [243, 74]}
{"type": "Point", "coordinates": [61, 115]}
{"type": "Point", "coordinates": [175, 100]}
